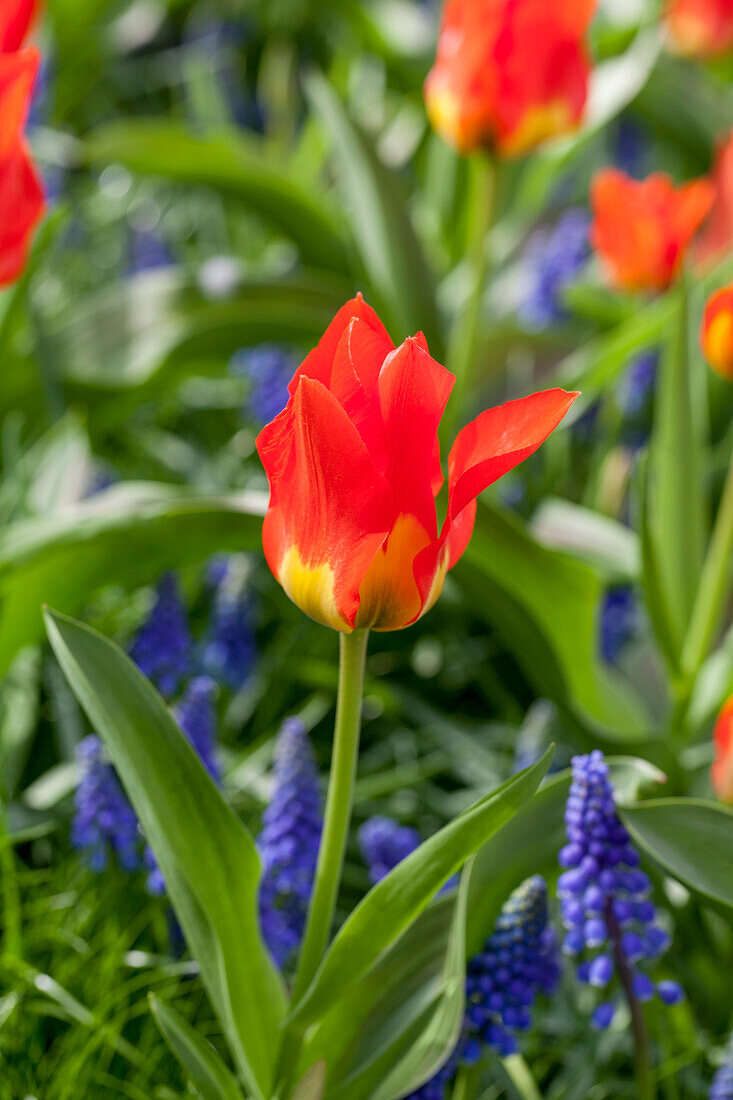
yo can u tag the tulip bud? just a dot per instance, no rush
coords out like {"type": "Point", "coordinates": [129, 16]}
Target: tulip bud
{"type": "Point", "coordinates": [700, 28]}
{"type": "Point", "coordinates": [716, 333]}
{"type": "Point", "coordinates": [721, 773]}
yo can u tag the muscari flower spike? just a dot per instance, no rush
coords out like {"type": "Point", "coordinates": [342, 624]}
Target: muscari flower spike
{"type": "Point", "coordinates": [269, 369]}
{"type": "Point", "coordinates": [230, 649]}
{"type": "Point", "coordinates": [104, 821]}
{"type": "Point", "coordinates": [289, 841]}
{"type": "Point", "coordinates": [722, 1084]}
{"type": "Point", "coordinates": [162, 648]}
{"type": "Point", "coordinates": [553, 258]}
{"type": "Point", "coordinates": [609, 916]}
{"type": "Point", "coordinates": [619, 621]}
{"type": "Point", "coordinates": [384, 843]}
{"type": "Point", "coordinates": [518, 962]}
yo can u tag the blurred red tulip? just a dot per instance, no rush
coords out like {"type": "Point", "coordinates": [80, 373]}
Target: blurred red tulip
{"type": "Point", "coordinates": [721, 773]}
{"type": "Point", "coordinates": [353, 463]}
{"type": "Point", "coordinates": [715, 240]}
{"type": "Point", "coordinates": [700, 28]}
{"type": "Point", "coordinates": [716, 333]}
{"type": "Point", "coordinates": [642, 229]}
{"type": "Point", "coordinates": [509, 73]}
{"type": "Point", "coordinates": [21, 208]}
{"type": "Point", "coordinates": [16, 17]}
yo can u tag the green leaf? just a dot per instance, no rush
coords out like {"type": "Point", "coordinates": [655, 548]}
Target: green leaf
{"type": "Point", "coordinates": [19, 706]}
{"type": "Point", "coordinates": [655, 597]}
{"type": "Point", "coordinates": [545, 605]}
{"type": "Point", "coordinates": [402, 285]}
{"type": "Point", "coordinates": [238, 166]}
{"type": "Point", "coordinates": [404, 1013]}
{"type": "Point", "coordinates": [591, 537]}
{"type": "Point", "coordinates": [312, 1084]}
{"type": "Point", "coordinates": [207, 857]}
{"type": "Point", "coordinates": [692, 839]}
{"type": "Point", "coordinates": [142, 528]}
{"type": "Point", "coordinates": [393, 903]}
{"type": "Point", "coordinates": [212, 1079]}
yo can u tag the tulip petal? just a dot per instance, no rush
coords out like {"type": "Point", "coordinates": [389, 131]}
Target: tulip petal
{"type": "Point", "coordinates": [330, 508]}
{"type": "Point", "coordinates": [21, 207]}
{"type": "Point", "coordinates": [17, 74]}
{"type": "Point", "coordinates": [318, 363]}
{"type": "Point", "coordinates": [356, 366]}
{"type": "Point", "coordinates": [16, 17]}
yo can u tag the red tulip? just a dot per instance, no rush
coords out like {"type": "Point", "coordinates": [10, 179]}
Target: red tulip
{"type": "Point", "coordinates": [509, 73]}
{"type": "Point", "coordinates": [17, 76]}
{"type": "Point", "coordinates": [353, 463]}
{"type": "Point", "coordinates": [21, 194]}
{"type": "Point", "coordinates": [16, 17]}
{"type": "Point", "coordinates": [716, 237]}
{"type": "Point", "coordinates": [716, 333]}
{"type": "Point", "coordinates": [721, 773]}
{"type": "Point", "coordinates": [700, 28]}
{"type": "Point", "coordinates": [642, 228]}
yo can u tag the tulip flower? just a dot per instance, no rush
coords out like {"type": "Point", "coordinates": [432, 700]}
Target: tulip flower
{"type": "Point", "coordinates": [642, 228]}
{"type": "Point", "coordinates": [353, 463]}
{"type": "Point", "coordinates": [509, 73]}
{"type": "Point", "coordinates": [721, 773]}
{"type": "Point", "coordinates": [700, 28]}
{"type": "Point", "coordinates": [715, 239]}
{"type": "Point", "coordinates": [716, 332]}
{"type": "Point", "coordinates": [16, 17]}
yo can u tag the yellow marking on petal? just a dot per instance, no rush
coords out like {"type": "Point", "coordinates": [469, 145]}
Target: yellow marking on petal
{"type": "Point", "coordinates": [719, 343]}
{"type": "Point", "coordinates": [389, 597]}
{"type": "Point", "coordinates": [444, 111]}
{"type": "Point", "coordinates": [537, 125]}
{"type": "Point", "coordinates": [312, 588]}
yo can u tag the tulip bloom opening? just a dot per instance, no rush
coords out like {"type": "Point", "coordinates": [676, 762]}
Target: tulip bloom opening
{"type": "Point", "coordinates": [721, 773]}
{"type": "Point", "coordinates": [353, 463]}
{"type": "Point", "coordinates": [642, 228]}
{"type": "Point", "coordinates": [509, 73]}
{"type": "Point", "coordinates": [716, 333]}
{"type": "Point", "coordinates": [715, 239]}
{"type": "Point", "coordinates": [700, 28]}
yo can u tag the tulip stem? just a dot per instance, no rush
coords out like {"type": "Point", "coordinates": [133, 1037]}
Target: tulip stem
{"type": "Point", "coordinates": [466, 1085]}
{"type": "Point", "coordinates": [466, 330]}
{"type": "Point", "coordinates": [338, 809]}
{"type": "Point", "coordinates": [521, 1077]}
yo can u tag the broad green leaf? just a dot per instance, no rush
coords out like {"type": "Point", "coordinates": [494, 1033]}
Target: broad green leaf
{"type": "Point", "coordinates": [403, 1014]}
{"type": "Point", "coordinates": [589, 536]}
{"type": "Point", "coordinates": [312, 1084]}
{"type": "Point", "coordinates": [402, 285]}
{"type": "Point", "coordinates": [545, 605]}
{"type": "Point", "coordinates": [238, 165]}
{"type": "Point", "coordinates": [656, 598]}
{"type": "Point", "coordinates": [126, 536]}
{"type": "Point", "coordinates": [391, 905]}
{"type": "Point", "coordinates": [203, 1065]}
{"type": "Point", "coordinates": [692, 839]}
{"type": "Point", "coordinates": [19, 704]}
{"type": "Point", "coordinates": [207, 857]}
{"type": "Point", "coordinates": [713, 684]}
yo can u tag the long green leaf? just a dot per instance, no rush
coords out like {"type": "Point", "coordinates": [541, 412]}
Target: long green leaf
{"type": "Point", "coordinates": [691, 838]}
{"type": "Point", "coordinates": [401, 283]}
{"type": "Point", "coordinates": [142, 529]}
{"type": "Point", "coordinates": [236, 165]}
{"type": "Point", "coordinates": [199, 1059]}
{"type": "Point", "coordinates": [393, 903]}
{"type": "Point", "coordinates": [209, 860]}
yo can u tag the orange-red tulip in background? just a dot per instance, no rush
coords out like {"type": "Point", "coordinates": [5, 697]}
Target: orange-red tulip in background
{"type": "Point", "coordinates": [353, 463]}
{"type": "Point", "coordinates": [642, 228]}
{"type": "Point", "coordinates": [715, 239]}
{"type": "Point", "coordinates": [700, 28]}
{"type": "Point", "coordinates": [21, 194]}
{"type": "Point", "coordinates": [721, 773]}
{"type": "Point", "coordinates": [509, 73]}
{"type": "Point", "coordinates": [716, 333]}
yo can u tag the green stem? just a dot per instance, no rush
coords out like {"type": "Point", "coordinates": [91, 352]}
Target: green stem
{"type": "Point", "coordinates": [645, 1084]}
{"type": "Point", "coordinates": [521, 1077]}
{"type": "Point", "coordinates": [715, 581]}
{"type": "Point", "coordinates": [466, 330]}
{"type": "Point", "coordinates": [11, 904]}
{"type": "Point", "coordinates": [467, 1081]}
{"type": "Point", "coordinates": [335, 832]}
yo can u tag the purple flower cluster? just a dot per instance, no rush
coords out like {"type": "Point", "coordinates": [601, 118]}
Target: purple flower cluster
{"type": "Point", "coordinates": [268, 369]}
{"type": "Point", "coordinates": [104, 821]}
{"type": "Point", "coordinates": [619, 621]}
{"type": "Point", "coordinates": [162, 648]}
{"type": "Point", "coordinates": [637, 384]}
{"type": "Point", "coordinates": [553, 258]}
{"type": "Point", "coordinates": [384, 843]}
{"type": "Point", "coordinates": [289, 841]}
{"type": "Point", "coordinates": [722, 1085]}
{"type": "Point", "coordinates": [230, 647]}
{"type": "Point", "coordinates": [609, 916]}
{"type": "Point", "coordinates": [518, 962]}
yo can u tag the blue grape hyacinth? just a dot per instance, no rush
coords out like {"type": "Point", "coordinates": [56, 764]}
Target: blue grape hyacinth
{"type": "Point", "coordinates": [610, 919]}
{"type": "Point", "coordinates": [230, 648]}
{"type": "Point", "coordinates": [722, 1084]}
{"type": "Point", "coordinates": [518, 962]}
{"type": "Point", "coordinates": [619, 621]}
{"type": "Point", "coordinates": [104, 821]}
{"type": "Point", "coordinates": [553, 258]}
{"type": "Point", "coordinates": [268, 368]}
{"type": "Point", "coordinates": [289, 841]}
{"type": "Point", "coordinates": [384, 843]}
{"type": "Point", "coordinates": [162, 647]}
